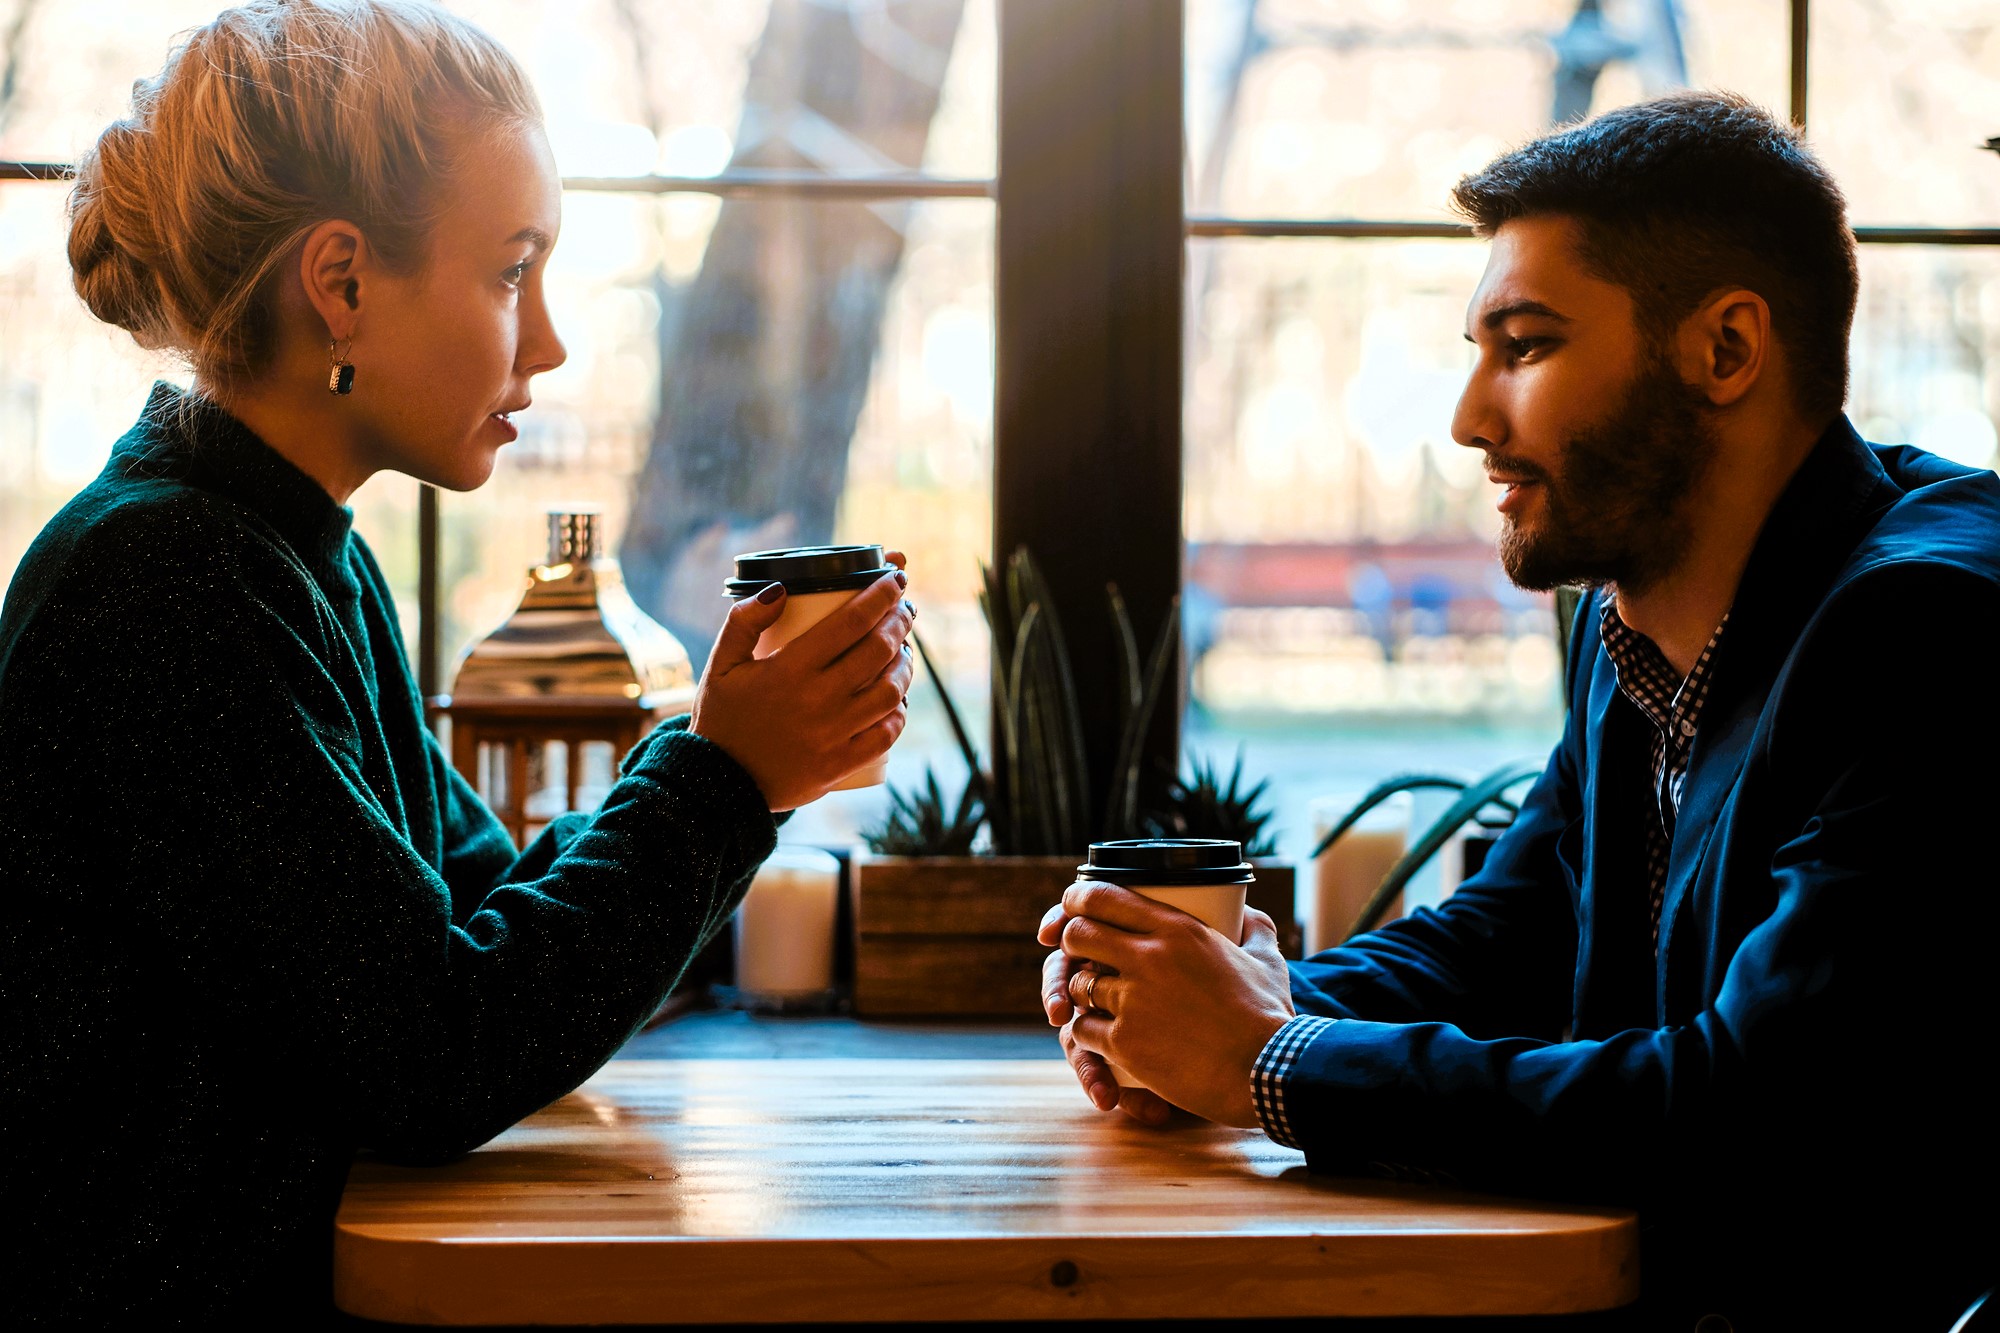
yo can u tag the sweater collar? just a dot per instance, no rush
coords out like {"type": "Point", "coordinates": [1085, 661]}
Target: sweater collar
{"type": "Point", "coordinates": [226, 457]}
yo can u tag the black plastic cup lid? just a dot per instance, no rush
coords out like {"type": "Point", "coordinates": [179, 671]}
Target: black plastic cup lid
{"type": "Point", "coordinates": [1167, 861]}
{"type": "Point", "coordinates": [808, 569]}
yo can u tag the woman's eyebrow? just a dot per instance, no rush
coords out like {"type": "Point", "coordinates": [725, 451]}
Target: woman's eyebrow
{"type": "Point", "coordinates": [535, 235]}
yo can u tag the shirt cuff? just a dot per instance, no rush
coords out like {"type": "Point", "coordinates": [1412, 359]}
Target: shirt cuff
{"type": "Point", "coordinates": [1274, 1066]}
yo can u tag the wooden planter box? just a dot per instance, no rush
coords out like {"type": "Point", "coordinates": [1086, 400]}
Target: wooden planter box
{"type": "Point", "coordinates": [954, 936]}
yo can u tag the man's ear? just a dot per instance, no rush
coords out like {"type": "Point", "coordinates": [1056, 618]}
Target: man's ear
{"type": "Point", "coordinates": [1724, 348]}
{"type": "Point", "coordinates": [331, 264]}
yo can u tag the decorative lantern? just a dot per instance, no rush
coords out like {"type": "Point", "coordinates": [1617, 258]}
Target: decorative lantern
{"type": "Point", "coordinates": [543, 708]}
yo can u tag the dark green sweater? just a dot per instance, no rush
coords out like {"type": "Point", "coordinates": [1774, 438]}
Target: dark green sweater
{"type": "Point", "coordinates": [253, 920]}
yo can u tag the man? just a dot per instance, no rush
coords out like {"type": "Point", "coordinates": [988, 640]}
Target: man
{"type": "Point", "coordinates": [1730, 964]}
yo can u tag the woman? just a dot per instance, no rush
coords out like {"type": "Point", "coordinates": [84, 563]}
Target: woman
{"type": "Point", "coordinates": [254, 920]}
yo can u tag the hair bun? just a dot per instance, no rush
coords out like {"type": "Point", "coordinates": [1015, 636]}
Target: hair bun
{"type": "Point", "coordinates": [276, 116]}
{"type": "Point", "coordinates": [112, 238]}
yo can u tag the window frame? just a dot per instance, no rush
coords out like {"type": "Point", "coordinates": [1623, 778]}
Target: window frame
{"type": "Point", "coordinates": [1090, 237]}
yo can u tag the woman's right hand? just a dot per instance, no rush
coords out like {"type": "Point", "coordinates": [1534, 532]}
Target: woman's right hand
{"type": "Point", "coordinates": [822, 706]}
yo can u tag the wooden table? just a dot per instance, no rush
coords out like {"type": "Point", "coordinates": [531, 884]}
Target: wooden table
{"type": "Point", "coordinates": [713, 1191]}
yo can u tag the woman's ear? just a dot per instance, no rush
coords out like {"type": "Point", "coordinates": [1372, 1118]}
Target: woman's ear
{"type": "Point", "coordinates": [330, 269]}
{"type": "Point", "coordinates": [1725, 347]}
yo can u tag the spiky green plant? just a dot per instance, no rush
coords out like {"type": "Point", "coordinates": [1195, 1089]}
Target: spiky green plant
{"type": "Point", "coordinates": [1488, 793]}
{"type": "Point", "coordinates": [917, 823]}
{"type": "Point", "coordinates": [1204, 805]}
{"type": "Point", "coordinates": [1046, 810]}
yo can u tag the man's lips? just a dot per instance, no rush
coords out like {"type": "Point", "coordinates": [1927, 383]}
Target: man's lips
{"type": "Point", "coordinates": [1515, 489]}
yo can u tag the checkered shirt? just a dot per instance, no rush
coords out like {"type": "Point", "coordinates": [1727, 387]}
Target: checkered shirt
{"type": "Point", "coordinates": [1274, 1066]}
{"type": "Point", "coordinates": [1673, 706]}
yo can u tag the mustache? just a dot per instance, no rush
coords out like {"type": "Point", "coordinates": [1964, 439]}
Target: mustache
{"type": "Point", "coordinates": [1503, 469]}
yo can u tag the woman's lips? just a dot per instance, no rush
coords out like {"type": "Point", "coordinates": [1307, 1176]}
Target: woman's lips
{"type": "Point", "coordinates": [506, 425]}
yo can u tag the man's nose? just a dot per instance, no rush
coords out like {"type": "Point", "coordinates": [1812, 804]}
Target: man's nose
{"type": "Point", "coordinates": [1476, 422]}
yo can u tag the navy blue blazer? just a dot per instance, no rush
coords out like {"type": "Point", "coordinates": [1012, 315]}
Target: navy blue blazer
{"type": "Point", "coordinates": [1793, 1092]}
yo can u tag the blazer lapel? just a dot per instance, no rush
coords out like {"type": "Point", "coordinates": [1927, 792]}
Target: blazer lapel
{"type": "Point", "coordinates": [1614, 964]}
{"type": "Point", "coordinates": [1837, 494]}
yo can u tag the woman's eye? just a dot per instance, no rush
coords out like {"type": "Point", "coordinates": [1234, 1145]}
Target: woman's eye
{"type": "Point", "coordinates": [513, 276]}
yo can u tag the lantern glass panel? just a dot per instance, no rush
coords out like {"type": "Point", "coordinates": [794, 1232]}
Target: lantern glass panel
{"type": "Point", "coordinates": [548, 780]}
{"type": "Point", "coordinates": [495, 765]}
{"type": "Point", "coordinates": [597, 765]}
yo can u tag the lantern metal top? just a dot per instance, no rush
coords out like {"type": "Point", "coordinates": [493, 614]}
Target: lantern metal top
{"type": "Point", "coordinates": [577, 637]}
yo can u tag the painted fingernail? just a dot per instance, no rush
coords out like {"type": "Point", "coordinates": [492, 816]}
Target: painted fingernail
{"type": "Point", "coordinates": [771, 594]}
{"type": "Point", "coordinates": [902, 579]}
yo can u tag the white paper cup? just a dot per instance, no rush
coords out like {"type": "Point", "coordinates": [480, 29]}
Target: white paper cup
{"type": "Point", "coordinates": [1176, 861]}
{"type": "Point", "coordinates": [818, 580]}
{"type": "Point", "coordinates": [802, 611]}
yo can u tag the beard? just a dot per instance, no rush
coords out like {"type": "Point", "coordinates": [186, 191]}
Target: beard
{"type": "Point", "coordinates": [1616, 510]}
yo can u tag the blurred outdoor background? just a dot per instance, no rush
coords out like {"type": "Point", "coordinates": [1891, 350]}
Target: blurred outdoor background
{"type": "Point", "coordinates": [769, 367]}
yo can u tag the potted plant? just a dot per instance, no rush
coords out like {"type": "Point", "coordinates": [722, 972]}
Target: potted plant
{"type": "Point", "coordinates": [1203, 805]}
{"type": "Point", "coordinates": [1482, 805]}
{"type": "Point", "coordinates": [940, 929]}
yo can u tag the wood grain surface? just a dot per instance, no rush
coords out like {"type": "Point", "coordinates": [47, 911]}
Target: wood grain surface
{"type": "Point", "coordinates": [718, 1191]}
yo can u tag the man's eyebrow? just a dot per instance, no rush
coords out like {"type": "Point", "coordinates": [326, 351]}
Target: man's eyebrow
{"type": "Point", "coordinates": [535, 235]}
{"type": "Point", "coordinates": [1494, 318]}
{"type": "Point", "coordinates": [1499, 315]}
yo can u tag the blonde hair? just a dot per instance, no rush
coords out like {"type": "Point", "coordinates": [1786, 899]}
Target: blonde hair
{"type": "Point", "coordinates": [275, 117]}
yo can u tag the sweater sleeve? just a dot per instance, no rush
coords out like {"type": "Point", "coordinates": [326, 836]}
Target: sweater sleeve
{"type": "Point", "coordinates": [246, 811]}
{"type": "Point", "coordinates": [477, 850]}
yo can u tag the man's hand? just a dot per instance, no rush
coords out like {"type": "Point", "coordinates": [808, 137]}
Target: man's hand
{"type": "Point", "coordinates": [1172, 1001]}
{"type": "Point", "coordinates": [1093, 1071]}
{"type": "Point", "coordinates": [822, 706]}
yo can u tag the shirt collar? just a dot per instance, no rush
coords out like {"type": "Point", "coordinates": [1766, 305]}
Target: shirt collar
{"type": "Point", "coordinates": [196, 440]}
{"type": "Point", "coordinates": [1646, 677]}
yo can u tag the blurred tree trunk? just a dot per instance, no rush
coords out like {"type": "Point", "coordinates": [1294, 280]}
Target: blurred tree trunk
{"type": "Point", "coordinates": [13, 49]}
{"type": "Point", "coordinates": [767, 354]}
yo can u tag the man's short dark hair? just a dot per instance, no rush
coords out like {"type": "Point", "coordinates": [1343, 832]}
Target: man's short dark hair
{"type": "Point", "coordinates": [1682, 196]}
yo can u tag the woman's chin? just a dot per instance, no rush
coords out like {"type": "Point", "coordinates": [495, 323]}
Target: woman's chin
{"type": "Point", "coordinates": [467, 470]}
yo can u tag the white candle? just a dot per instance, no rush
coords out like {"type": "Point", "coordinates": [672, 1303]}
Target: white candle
{"type": "Point", "coordinates": [1347, 873]}
{"type": "Point", "coordinates": [784, 929]}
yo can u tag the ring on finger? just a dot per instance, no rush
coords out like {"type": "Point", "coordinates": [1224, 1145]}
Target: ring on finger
{"type": "Point", "coordinates": [1088, 978]}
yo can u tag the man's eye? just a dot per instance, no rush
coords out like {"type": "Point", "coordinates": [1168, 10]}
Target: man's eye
{"type": "Point", "coordinates": [1521, 348]}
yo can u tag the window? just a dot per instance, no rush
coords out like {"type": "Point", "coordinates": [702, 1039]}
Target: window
{"type": "Point", "coordinates": [1346, 617]}
{"type": "Point", "coordinates": [828, 171]}
{"type": "Point", "coordinates": [774, 283]}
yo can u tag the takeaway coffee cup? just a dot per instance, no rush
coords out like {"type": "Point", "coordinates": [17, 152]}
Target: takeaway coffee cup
{"type": "Point", "coordinates": [1205, 877]}
{"type": "Point", "coordinates": [817, 579]}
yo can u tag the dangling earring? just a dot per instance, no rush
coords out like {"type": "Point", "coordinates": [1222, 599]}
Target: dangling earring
{"type": "Point", "coordinates": [340, 375]}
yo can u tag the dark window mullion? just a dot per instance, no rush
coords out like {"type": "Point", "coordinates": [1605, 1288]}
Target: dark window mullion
{"type": "Point", "coordinates": [1089, 246]}
{"type": "Point", "coordinates": [1800, 55]}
